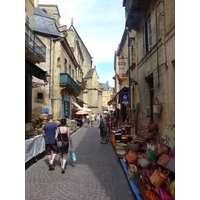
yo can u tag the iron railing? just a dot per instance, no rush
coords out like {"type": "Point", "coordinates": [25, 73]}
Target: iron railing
{"type": "Point", "coordinates": [65, 78]}
{"type": "Point", "coordinates": [33, 42]}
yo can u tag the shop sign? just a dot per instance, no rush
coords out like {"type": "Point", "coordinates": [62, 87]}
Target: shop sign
{"type": "Point", "coordinates": [125, 98]}
{"type": "Point", "coordinates": [121, 63]}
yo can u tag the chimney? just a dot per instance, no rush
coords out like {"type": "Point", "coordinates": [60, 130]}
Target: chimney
{"type": "Point", "coordinates": [72, 21]}
{"type": "Point", "coordinates": [107, 83]}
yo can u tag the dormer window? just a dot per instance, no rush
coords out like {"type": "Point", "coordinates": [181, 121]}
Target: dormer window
{"type": "Point", "coordinates": [44, 10]}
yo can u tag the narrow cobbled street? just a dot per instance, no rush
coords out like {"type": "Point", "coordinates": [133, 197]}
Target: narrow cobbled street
{"type": "Point", "coordinates": [97, 173]}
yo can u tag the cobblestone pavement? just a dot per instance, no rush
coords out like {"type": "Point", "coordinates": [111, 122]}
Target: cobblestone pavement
{"type": "Point", "coordinates": [97, 173]}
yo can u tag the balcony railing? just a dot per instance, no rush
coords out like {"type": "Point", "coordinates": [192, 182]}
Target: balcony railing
{"type": "Point", "coordinates": [65, 79]}
{"type": "Point", "coordinates": [33, 42]}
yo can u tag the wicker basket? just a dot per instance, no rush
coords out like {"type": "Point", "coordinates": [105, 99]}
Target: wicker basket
{"type": "Point", "coordinates": [133, 146]}
{"type": "Point", "coordinates": [152, 127]}
{"type": "Point", "coordinates": [147, 135]}
{"type": "Point", "coordinates": [140, 140]}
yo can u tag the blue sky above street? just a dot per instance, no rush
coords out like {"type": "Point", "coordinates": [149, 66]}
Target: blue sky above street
{"type": "Point", "coordinates": [100, 25]}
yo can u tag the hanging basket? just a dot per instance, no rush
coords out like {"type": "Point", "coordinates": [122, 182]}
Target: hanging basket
{"type": "Point", "coordinates": [156, 107]}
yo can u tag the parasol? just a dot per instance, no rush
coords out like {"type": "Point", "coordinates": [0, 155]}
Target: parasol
{"type": "Point", "coordinates": [81, 112]}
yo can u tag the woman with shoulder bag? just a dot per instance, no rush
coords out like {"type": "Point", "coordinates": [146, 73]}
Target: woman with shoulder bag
{"type": "Point", "coordinates": [63, 139]}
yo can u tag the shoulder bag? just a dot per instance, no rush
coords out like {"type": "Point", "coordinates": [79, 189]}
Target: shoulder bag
{"type": "Point", "coordinates": [64, 144]}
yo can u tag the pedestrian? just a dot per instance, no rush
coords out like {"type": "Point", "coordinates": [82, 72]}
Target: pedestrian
{"type": "Point", "coordinates": [115, 120]}
{"type": "Point", "coordinates": [49, 132]}
{"type": "Point", "coordinates": [88, 120]}
{"type": "Point", "coordinates": [107, 127]}
{"type": "Point", "coordinates": [102, 130]}
{"type": "Point", "coordinates": [95, 116]}
{"type": "Point", "coordinates": [83, 120]}
{"type": "Point", "coordinates": [92, 119]}
{"type": "Point", "coordinates": [63, 135]}
{"type": "Point", "coordinates": [98, 118]}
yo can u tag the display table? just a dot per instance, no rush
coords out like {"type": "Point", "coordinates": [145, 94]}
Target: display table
{"type": "Point", "coordinates": [34, 146]}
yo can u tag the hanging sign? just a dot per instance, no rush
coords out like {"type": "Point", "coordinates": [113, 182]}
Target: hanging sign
{"type": "Point", "coordinates": [122, 63]}
{"type": "Point", "coordinates": [125, 97]}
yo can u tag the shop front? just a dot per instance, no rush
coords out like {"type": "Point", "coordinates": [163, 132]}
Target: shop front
{"type": "Point", "coordinates": [65, 106]}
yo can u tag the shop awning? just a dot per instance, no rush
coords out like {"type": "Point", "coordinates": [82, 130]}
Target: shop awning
{"type": "Point", "coordinates": [115, 95]}
{"type": "Point", "coordinates": [80, 108]}
{"type": "Point", "coordinates": [81, 101]}
{"type": "Point", "coordinates": [34, 70]}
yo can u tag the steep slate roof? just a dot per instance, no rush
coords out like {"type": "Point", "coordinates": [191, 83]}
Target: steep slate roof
{"type": "Point", "coordinates": [89, 73]}
{"type": "Point", "coordinates": [43, 23]}
{"type": "Point", "coordinates": [105, 86]}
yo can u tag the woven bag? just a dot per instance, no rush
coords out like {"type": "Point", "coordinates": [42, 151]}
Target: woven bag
{"type": "Point", "coordinates": [161, 148]}
{"type": "Point", "coordinates": [163, 195]}
{"type": "Point", "coordinates": [171, 165]}
{"type": "Point", "coordinates": [150, 195]}
{"type": "Point", "coordinates": [132, 169]}
{"type": "Point", "coordinates": [151, 155]}
{"type": "Point", "coordinates": [163, 160]}
{"type": "Point", "coordinates": [152, 127]}
{"type": "Point", "coordinates": [133, 146]}
{"type": "Point", "coordinates": [144, 163]}
{"type": "Point", "coordinates": [131, 157]}
{"type": "Point", "coordinates": [172, 188]}
{"type": "Point", "coordinates": [157, 178]}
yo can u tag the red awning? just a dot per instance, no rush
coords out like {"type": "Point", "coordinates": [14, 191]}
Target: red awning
{"type": "Point", "coordinates": [118, 78]}
{"type": "Point", "coordinates": [110, 102]}
{"type": "Point", "coordinates": [114, 96]}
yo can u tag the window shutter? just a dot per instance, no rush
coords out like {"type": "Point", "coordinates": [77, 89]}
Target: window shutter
{"type": "Point", "coordinates": [145, 39]}
{"type": "Point", "coordinates": [149, 33]}
{"type": "Point", "coordinates": [27, 21]}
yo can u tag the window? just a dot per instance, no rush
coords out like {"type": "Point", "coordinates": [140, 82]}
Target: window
{"type": "Point", "coordinates": [149, 33]}
{"type": "Point", "coordinates": [44, 10]}
{"type": "Point", "coordinates": [132, 54]}
{"type": "Point", "coordinates": [70, 70]}
{"type": "Point", "coordinates": [27, 19]}
{"type": "Point", "coordinates": [72, 73]}
{"type": "Point", "coordinates": [40, 96]}
{"type": "Point", "coordinates": [147, 36]}
{"type": "Point", "coordinates": [65, 66]}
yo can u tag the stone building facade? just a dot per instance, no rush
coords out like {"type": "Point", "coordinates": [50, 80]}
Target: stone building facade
{"type": "Point", "coordinates": [106, 95]}
{"type": "Point", "coordinates": [62, 89]}
{"type": "Point", "coordinates": [92, 94]}
{"type": "Point", "coordinates": [35, 53]}
{"type": "Point", "coordinates": [152, 71]}
{"type": "Point", "coordinates": [68, 62]}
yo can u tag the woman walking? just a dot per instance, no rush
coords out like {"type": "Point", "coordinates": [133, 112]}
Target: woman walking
{"type": "Point", "coordinates": [98, 118]}
{"type": "Point", "coordinates": [63, 135]}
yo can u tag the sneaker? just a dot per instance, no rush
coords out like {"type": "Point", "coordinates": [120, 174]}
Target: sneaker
{"type": "Point", "coordinates": [104, 143]}
{"type": "Point", "coordinates": [51, 167]}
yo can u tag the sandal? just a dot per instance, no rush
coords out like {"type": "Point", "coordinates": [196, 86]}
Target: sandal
{"type": "Point", "coordinates": [62, 171]}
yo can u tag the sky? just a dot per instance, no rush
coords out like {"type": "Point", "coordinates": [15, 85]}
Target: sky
{"type": "Point", "coordinates": [100, 24]}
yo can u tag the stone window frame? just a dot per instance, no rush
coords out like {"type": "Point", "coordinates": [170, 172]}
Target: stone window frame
{"type": "Point", "coordinates": [40, 99]}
